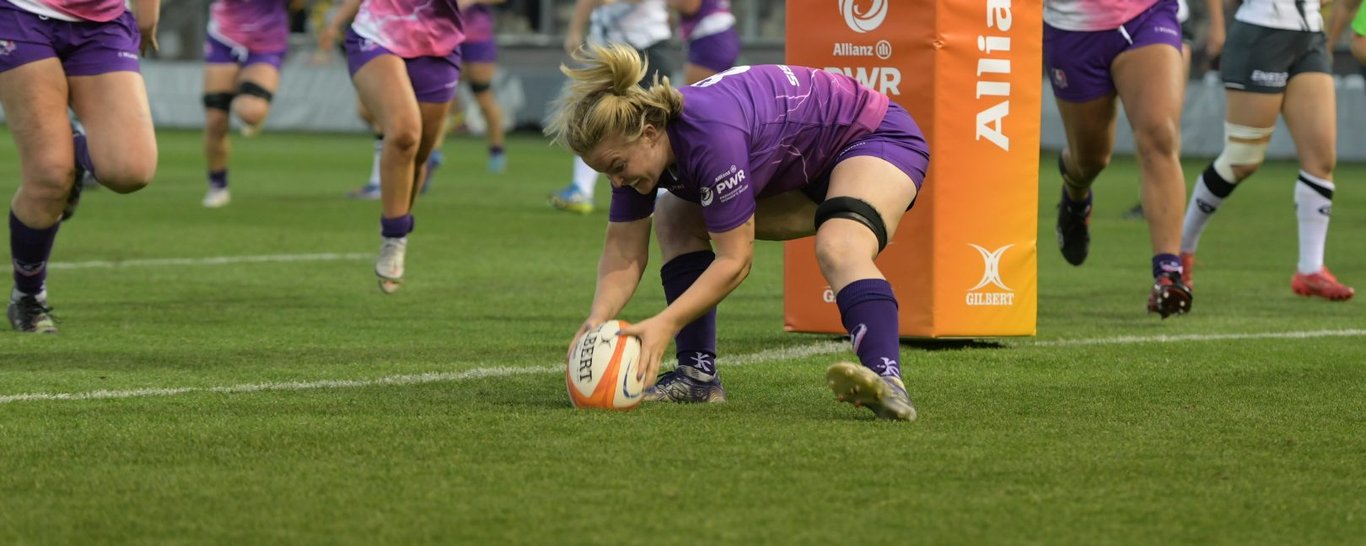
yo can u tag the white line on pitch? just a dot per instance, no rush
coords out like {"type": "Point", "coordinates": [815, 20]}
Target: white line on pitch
{"type": "Point", "coordinates": [800, 351]}
{"type": "Point", "coordinates": [1307, 334]}
{"type": "Point", "coordinates": [211, 260]}
{"type": "Point", "coordinates": [785, 353]}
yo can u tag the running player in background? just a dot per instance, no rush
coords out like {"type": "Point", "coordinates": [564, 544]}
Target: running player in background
{"type": "Point", "coordinates": [479, 54]}
{"type": "Point", "coordinates": [404, 59]}
{"type": "Point", "coordinates": [82, 54]}
{"type": "Point", "coordinates": [1276, 64]}
{"type": "Point", "coordinates": [708, 30]}
{"type": "Point", "coordinates": [243, 51]}
{"type": "Point", "coordinates": [768, 152]}
{"type": "Point", "coordinates": [1096, 52]}
{"type": "Point", "coordinates": [641, 24]}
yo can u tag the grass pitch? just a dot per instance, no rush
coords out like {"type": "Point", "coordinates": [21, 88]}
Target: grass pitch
{"type": "Point", "coordinates": [194, 396]}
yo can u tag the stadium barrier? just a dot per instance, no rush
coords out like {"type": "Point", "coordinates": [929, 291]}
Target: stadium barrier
{"type": "Point", "coordinates": [964, 260]}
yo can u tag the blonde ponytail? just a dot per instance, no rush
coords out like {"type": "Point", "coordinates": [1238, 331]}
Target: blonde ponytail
{"type": "Point", "coordinates": [604, 99]}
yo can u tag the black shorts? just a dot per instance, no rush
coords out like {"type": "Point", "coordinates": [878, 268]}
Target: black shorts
{"type": "Point", "coordinates": [1262, 60]}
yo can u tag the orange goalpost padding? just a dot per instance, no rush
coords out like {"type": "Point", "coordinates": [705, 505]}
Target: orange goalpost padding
{"type": "Point", "coordinates": [964, 260]}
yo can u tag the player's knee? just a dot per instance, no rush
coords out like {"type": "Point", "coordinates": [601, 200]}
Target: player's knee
{"type": "Point", "coordinates": [127, 173]}
{"type": "Point", "coordinates": [1321, 164]}
{"type": "Point", "coordinates": [48, 182]}
{"type": "Point", "coordinates": [1157, 139]}
{"type": "Point", "coordinates": [218, 101]}
{"type": "Point", "coordinates": [403, 137]}
{"type": "Point", "coordinates": [128, 181]}
{"type": "Point", "coordinates": [250, 110]}
{"type": "Point", "coordinates": [216, 123]}
{"type": "Point", "coordinates": [831, 250]}
{"type": "Point", "coordinates": [1086, 167]}
{"type": "Point", "coordinates": [479, 88]}
{"type": "Point", "coordinates": [1244, 150]}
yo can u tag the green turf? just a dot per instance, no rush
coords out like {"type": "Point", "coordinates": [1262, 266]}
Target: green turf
{"type": "Point", "coordinates": [1228, 442]}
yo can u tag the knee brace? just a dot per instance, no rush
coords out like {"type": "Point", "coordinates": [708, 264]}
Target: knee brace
{"type": "Point", "coordinates": [855, 209]}
{"type": "Point", "coordinates": [480, 87]}
{"type": "Point", "coordinates": [1243, 146]}
{"type": "Point", "coordinates": [218, 101]}
{"type": "Point", "coordinates": [254, 89]}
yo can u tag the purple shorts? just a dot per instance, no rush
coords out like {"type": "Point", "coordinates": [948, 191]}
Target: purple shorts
{"type": "Point", "coordinates": [1078, 63]}
{"type": "Point", "coordinates": [897, 140]}
{"type": "Point", "coordinates": [717, 52]}
{"type": "Point", "coordinates": [217, 52]}
{"type": "Point", "coordinates": [433, 78]}
{"type": "Point", "coordinates": [84, 48]}
{"type": "Point", "coordinates": [483, 51]}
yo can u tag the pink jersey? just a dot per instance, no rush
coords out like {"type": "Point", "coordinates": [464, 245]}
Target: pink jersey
{"type": "Point", "coordinates": [478, 23]}
{"type": "Point", "coordinates": [257, 25]}
{"type": "Point", "coordinates": [1092, 15]}
{"type": "Point", "coordinates": [412, 28]}
{"type": "Point", "coordinates": [85, 10]}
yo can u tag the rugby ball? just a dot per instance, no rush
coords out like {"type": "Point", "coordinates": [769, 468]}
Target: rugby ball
{"type": "Point", "coordinates": [601, 372]}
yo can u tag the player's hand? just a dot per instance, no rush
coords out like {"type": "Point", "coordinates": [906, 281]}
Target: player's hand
{"type": "Point", "coordinates": [147, 26]}
{"type": "Point", "coordinates": [327, 41]}
{"type": "Point", "coordinates": [587, 325]}
{"type": "Point", "coordinates": [1214, 42]}
{"type": "Point", "coordinates": [655, 334]}
{"type": "Point", "coordinates": [572, 41]}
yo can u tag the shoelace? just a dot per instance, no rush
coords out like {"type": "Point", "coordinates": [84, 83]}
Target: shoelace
{"type": "Point", "coordinates": [30, 306]}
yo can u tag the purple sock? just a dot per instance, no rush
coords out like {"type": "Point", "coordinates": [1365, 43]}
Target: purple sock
{"type": "Point", "coordinates": [396, 227]}
{"type": "Point", "coordinates": [83, 156]}
{"type": "Point", "coordinates": [869, 311]}
{"type": "Point", "coordinates": [30, 249]}
{"type": "Point", "coordinates": [696, 342]}
{"type": "Point", "coordinates": [1163, 263]}
{"type": "Point", "coordinates": [495, 150]}
{"type": "Point", "coordinates": [218, 179]}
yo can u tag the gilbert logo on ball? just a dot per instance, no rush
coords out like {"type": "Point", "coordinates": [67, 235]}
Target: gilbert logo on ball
{"type": "Point", "coordinates": [601, 372]}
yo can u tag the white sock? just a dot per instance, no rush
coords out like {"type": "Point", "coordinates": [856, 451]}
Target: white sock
{"type": "Point", "coordinates": [374, 167]}
{"type": "Point", "coordinates": [1313, 206]}
{"type": "Point", "coordinates": [1210, 191]}
{"type": "Point", "coordinates": [585, 178]}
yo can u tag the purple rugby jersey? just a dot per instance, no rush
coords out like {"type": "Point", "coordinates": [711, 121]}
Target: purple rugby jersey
{"type": "Point", "coordinates": [756, 131]}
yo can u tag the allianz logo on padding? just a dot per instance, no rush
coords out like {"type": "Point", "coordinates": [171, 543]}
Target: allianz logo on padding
{"type": "Point", "coordinates": [991, 290]}
{"type": "Point", "coordinates": [882, 50]}
{"type": "Point", "coordinates": [866, 20]}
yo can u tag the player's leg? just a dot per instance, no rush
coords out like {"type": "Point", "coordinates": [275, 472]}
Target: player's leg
{"type": "Point", "coordinates": [255, 87]}
{"type": "Point", "coordinates": [370, 190]}
{"type": "Point", "coordinates": [434, 115]}
{"type": "Point", "coordinates": [865, 202]}
{"type": "Point", "coordinates": [433, 158]}
{"type": "Point", "coordinates": [383, 86]}
{"type": "Point", "coordinates": [480, 75]}
{"type": "Point", "coordinates": [33, 96]}
{"type": "Point", "coordinates": [1311, 117]}
{"type": "Point", "coordinates": [1252, 105]}
{"type": "Point", "coordinates": [578, 195]}
{"type": "Point", "coordinates": [1078, 69]}
{"type": "Point", "coordinates": [118, 123]}
{"type": "Point", "coordinates": [219, 84]}
{"type": "Point", "coordinates": [686, 251]}
{"type": "Point", "coordinates": [1150, 80]}
{"type": "Point", "coordinates": [870, 190]}
{"type": "Point", "coordinates": [1136, 212]}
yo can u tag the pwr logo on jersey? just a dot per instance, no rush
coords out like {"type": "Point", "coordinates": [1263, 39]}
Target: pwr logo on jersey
{"type": "Point", "coordinates": [864, 20]}
{"type": "Point", "coordinates": [727, 189]}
